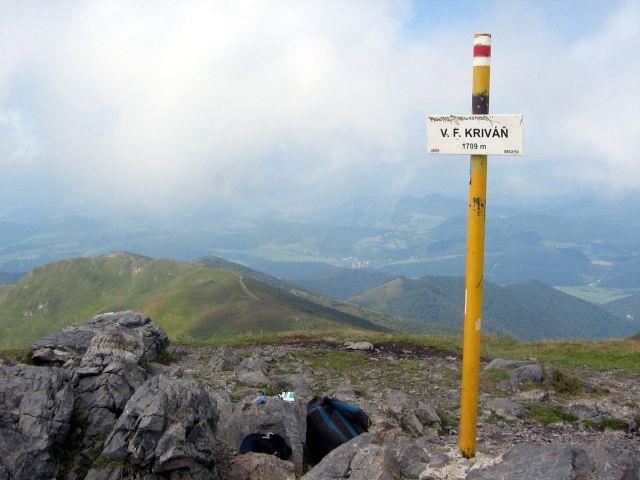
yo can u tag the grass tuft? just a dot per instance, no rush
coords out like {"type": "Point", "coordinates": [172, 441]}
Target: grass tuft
{"type": "Point", "coordinates": [565, 383]}
{"type": "Point", "coordinates": [607, 423]}
{"type": "Point", "coordinates": [166, 358]}
{"type": "Point", "coordinates": [550, 414]}
{"type": "Point", "coordinates": [497, 418]}
{"type": "Point", "coordinates": [447, 420]}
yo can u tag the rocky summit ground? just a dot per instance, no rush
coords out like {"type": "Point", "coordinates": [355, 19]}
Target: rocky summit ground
{"type": "Point", "coordinates": [112, 399]}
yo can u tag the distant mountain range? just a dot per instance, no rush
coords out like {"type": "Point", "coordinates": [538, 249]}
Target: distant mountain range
{"type": "Point", "coordinates": [213, 298]}
{"type": "Point", "coordinates": [582, 242]}
{"type": "Point", "coordinates": [529, 311]}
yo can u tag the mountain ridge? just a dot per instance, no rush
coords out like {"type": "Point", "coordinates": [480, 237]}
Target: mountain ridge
{"type": "Point", "coordinates": [188, 300]}
{"type": "Point", "coordinates": [528, 311]}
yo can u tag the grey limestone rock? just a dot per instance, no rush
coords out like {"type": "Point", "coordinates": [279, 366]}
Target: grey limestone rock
{"type": "Point", "coordinates": [67, 344]}
{"type": "Point", "coordinates": [36, 405]}
{"type": "Point", "coordinates": [374, 462]}
{"type": "Point", "coordinates": [259, 466]}
{"type": "Point", "coordinates": [497, 363]}
{"type": "Point", "coordinates": [412, 458]}
{"type": "Point", "coordinates": [254, 363]}
{"type": "Point", "coordinates": [361, 458]}
{"type": "Point", "coordinates": [530, 373]}
{"type": "Point", "coordinates": [526, 462]}
{"type": "Point", "coordinates": [168, 425]}
{"type": "Point", "coordinates": [611, 457]}
{"type": "Point", "coordinates": [224, 359]}
{"type": "Point", "coordinates": [358, 346]}
{"type": "Point", "coordinates": [397, 402]}
{"type": "Point", "coordinates": [104, 381]}
{"type": "Point", "coordinates": [428, 416]}
{"type": "Point", "coordinates": [73, 342]}
{"type": "Point", "coordinates": [294, 383]}
{"type": "Point", "coordinates": [506, 407]}
{"type": "Point", "coordinates": [252, 378]}
{"type": "Point", "coordinates": [287, 419]}
{"type": "Point", "coordinates": [337, 463]}
{"type": "Point", "coordinates": [112, 472]}
{"type": "Point", "coordinates": [584, 412]}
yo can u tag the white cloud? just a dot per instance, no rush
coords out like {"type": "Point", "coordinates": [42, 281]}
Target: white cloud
{"type": "Point", "coordinates": [159, 102]}
{"type": "Point", "coordinates": [18, 143]}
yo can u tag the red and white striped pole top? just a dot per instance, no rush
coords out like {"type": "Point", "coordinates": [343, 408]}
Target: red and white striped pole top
{"type": "Point", "coordinates": [482, 50]}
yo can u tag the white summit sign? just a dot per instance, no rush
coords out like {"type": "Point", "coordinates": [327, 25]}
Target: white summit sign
{"type": "Point", "coordinates": [475, 134]}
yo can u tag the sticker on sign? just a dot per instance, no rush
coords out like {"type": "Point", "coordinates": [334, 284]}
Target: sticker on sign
{"type": "Point", "coordinates": [475, 134]}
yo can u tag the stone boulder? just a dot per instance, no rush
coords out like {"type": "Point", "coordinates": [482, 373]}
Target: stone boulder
{"type": "Point", "coordinates": [361, 458]}
{"type": "Point", "coordinates": [167, 426]}
{"type": "Point", "coordinates": [287, 419]}
{"type": "Point", "coordinates": [429, 418]}
{"type": "Point", "coordinates": [498, 363]}
{"type": "Point", "coordinates": [530, 373]}
{"type": "Point", "coordinates": [595, 411]}
{"type": "Point", "coordinates": [71, 343]}
{"type": "Point", "coordinates": [526, 462]}
{"type": "Point", "coordinates": [36, 405]}
{"type": "Point", "coordinates": [106, 377]}
{"type": "Point", "coordinates": [59, 347]}
{"type": "Point", "coordinates": [364, 346]}
{"type": "Point", "coordinates": [255, 363]}
{"type": "Point", "coordinates": [613, 458]}
{"type": "Point", "coordinates": [584, 411]}
{"type": "Point", "coordinates": [609, 458]}
{"type": "Point", "coordinates": [412, 456]}
{"type": "Point", "coordinates": [154, 339]}
{"type": "Point", "coordinates": [506, 407]}
{"type": "Point", "coordinates": [111, 472]}
{"type": "Point", "coordinates": [224, 359]}
{"type": "Point", "coordinates": [259, 466]}
{"type": "Point", "coordinates": [253, 379]}
{"type": "Point", "coordinates": [415, 418]}
{"type": "Point", "coordinates": [291, 383]}
{"type": "Point", "coordinates": [397, 402]}
{"type": "Point", "coordinates": [253, 370]}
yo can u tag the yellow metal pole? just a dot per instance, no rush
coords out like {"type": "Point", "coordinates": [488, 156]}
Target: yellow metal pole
{"type": "Point", "coordinates": [475, 256]}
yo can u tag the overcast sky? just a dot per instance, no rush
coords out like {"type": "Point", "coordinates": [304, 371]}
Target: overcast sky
{"type": "Point", "coordinates": [170, 104]}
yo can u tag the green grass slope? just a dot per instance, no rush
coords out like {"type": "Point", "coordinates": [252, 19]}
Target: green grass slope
{"type": "Point", "coordinates": [320, 297]}
{"type": "Point", "coordinates": [222, 263]}
{"type": "Point", "coordinates": [528, 311]}
{"type": "Point", "coordinates": [4, 290]}
{"type": "Point", "coordinates": [187, 300]}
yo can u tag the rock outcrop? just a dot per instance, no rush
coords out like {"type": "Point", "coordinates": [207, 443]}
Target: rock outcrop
{"type": "Point", "coordinates": [610, 458]}
{"type": "Point", "coordinates": [287, 419]}
{"type": "Point", "coordinates": [108, 373]}
{"type": "Point", "coordinates": [168, 425]}
{"type": "Point", "coordinates": [95, 409]}
{"type": "Point", "coordinates": [100, 371]}
{"type": "Point", "coordinates": [259, 466]}
{"type": "Point", "coordinates": [36, 405]}
{"type": "Point", "coordinates": [73, 342]}
{"type": "Point", "coordinates": [224, 359]}
{"type": "Point", "coordinates": [362, 458]}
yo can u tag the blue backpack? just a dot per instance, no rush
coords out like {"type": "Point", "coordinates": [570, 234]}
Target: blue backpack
{"type": "Point", "coordinates": [330, 423]}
